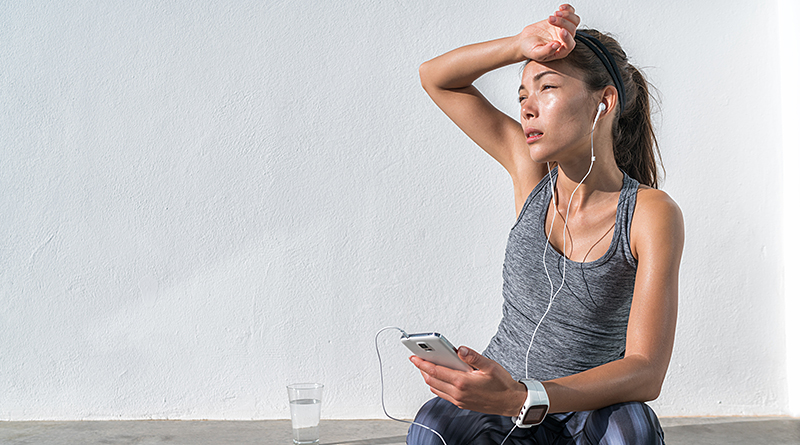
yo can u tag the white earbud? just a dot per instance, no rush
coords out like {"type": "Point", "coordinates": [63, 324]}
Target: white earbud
{"type": "Point", "coordinates": [600, 109]}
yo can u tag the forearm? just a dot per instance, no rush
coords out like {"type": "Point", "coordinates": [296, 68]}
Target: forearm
{"type": "Point", "coordinates": [462, 66]}
{"type": "Point", "coordinates": [491, 389]}
{"type": "Point", "coordinates": [630, 379]}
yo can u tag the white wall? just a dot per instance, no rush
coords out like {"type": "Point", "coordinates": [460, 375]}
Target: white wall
{"type": "Point", "coordinates": [204, 201]}
{"type": "Point", "coordinates": [790, 95]}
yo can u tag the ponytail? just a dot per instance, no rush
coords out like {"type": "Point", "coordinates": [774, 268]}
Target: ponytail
{"type": "Point", "coordinates": [635, 147]}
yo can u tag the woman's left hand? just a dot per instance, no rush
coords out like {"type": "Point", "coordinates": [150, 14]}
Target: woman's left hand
{"type": "Point", "coordinates": [488, 389]}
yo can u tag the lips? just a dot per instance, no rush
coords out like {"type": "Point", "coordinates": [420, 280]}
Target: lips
{"type": "Point", "coordinates": [533, 135]}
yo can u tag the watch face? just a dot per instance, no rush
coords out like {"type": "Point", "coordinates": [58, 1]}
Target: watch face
{"type": "Point", "coordinates": [535, 415]}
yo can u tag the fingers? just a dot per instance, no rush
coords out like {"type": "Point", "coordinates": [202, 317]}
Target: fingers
{"type": "Point", "coordinates": [569, 40]}
{"type": "Point", "coordinates": [439, 378]}
{"type": "Point", "coordinates": [565, 20]}
{"type": "Point", "coordinates": [474, 359]}
{"type": "Point", "coordinates": [543, 53]}
{"type": "Point", "coordinates": [569, 11]}
{"type": "Point", "coordinates": [432, 371]}
{"type": "Point", "coordinates": [439, 387]}
{"type": "Point", "coordinates": [486, 389]}
{"type": "Point", "coordinates": [445, 390]}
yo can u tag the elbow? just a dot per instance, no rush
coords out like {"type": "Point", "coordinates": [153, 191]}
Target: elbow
{"type": "Point", "coordinates": [434, 79]}
{"type": "Point", "coordinates": [424, 75]}
{"type": "Point", "coordinates": [430, 77]}
{"type": "Point", "coordinates": [651, 387]}
{"type": "Point", "coordinates": [651, 392]}
{"type": "Point", "coordinates": [650, 380]}
{"type": "Point", "coordinates": [645, 391]}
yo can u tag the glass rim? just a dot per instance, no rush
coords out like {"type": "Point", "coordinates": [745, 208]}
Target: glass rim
{"type": "Point", "coordinates": [302, 386]}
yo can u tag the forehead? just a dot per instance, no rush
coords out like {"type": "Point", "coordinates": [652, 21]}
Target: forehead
{"type": "Point", "coordinates": [534, 71]}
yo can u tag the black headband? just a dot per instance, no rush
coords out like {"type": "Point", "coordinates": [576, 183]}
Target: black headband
{"type": "Point", "coordinates": [605, 56]}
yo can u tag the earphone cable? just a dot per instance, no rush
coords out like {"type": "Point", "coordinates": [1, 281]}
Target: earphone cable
{"type": "Point", "coordinates": [544, 263]}
{"type": "Point", "coordinates": [383, 403]}
{"type": "Point", "coordinates": [564, 237]}
{"type": "Point", "coordinates": [509, 434]}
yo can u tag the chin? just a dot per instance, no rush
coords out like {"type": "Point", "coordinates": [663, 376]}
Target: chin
{"type": "Point", "coordinates": [538, 156]}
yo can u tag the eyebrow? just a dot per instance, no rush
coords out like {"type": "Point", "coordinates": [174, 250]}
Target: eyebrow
{"type": "Point", "coordinates": [539, 76]}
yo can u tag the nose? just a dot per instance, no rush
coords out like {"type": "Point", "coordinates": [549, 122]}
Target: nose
{"type": "Point", "coordinates": [528, 109]}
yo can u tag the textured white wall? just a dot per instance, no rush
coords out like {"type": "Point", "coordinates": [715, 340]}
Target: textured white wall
{"type": "Point", "coordinates": [203, 201]}
{"type": "Point", "coordinates": [790, 95]}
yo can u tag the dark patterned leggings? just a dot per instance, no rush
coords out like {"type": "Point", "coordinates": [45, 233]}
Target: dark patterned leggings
{"type": "Point", "coordinates": [624, 423]}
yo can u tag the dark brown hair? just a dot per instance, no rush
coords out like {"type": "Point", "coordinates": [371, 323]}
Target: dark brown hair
{"type": "Point", "coordinates": [635, 147]}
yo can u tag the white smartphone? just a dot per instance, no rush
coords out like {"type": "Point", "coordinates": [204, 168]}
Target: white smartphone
{"type": "Point", "coordinates": [434, 348]}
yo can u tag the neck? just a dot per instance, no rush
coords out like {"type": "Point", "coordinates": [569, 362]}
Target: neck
{"type": "Point", "coordinates": [605, 177]}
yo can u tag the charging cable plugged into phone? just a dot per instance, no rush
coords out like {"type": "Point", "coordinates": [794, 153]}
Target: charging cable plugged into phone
{"type": "Point", "coordinates": [403, 338]}
{"type": "Point", "coordinates": [432, 347]}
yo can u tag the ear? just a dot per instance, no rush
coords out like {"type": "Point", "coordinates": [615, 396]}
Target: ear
{"type": "Point", "coordinates": [610, 97]}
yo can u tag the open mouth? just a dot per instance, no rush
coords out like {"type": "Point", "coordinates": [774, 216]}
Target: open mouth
{"type": "Point", "coordinates": [533, 135]}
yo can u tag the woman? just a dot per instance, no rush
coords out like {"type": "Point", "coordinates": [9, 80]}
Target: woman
{"type": "Point", "coordinates": [591, 269]}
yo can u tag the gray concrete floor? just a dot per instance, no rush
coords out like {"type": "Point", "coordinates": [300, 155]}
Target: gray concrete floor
{"type": "Point", "coordinates": [678, 431]}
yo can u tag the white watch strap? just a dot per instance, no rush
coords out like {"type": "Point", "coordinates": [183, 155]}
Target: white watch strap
{"type": "Point", "coordinates": [537, 397]}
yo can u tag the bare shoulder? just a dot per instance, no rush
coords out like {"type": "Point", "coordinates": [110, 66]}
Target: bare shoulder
{"type": "Point", "coordinates": [657, 223]}
{"type": "Point", "coordinates": [654, 202]}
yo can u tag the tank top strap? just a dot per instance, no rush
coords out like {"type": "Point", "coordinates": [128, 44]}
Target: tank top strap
{"type": "Point", "coordinates": [625, 209]}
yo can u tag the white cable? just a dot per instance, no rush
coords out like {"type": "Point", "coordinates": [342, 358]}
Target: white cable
{"type": "Point", "coordinates": [509, 434]}
{"type": "Point", "coordinates": [544, 263]}
{"type": "Point", "coordinates": [383, 404]}
{"type": "Point", "coordinates": [563, 242]}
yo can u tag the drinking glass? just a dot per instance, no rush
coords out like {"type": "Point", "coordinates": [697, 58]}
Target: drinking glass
{"type": "Point", "coordinates": [305, 400]}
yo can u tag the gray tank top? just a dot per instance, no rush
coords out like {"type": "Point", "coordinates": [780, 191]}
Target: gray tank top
{"type": "Point", "coordinates": [587, 322]}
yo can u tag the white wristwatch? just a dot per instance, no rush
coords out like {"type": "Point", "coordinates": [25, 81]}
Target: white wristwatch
{"type": "Point", "coordinates": [536, 405]}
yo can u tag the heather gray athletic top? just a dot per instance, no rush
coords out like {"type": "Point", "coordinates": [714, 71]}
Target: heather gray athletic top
{"type": "Point", "coordinates": [587, 322]}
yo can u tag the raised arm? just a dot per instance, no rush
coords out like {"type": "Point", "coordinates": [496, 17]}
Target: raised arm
{"type": "Point", "coordinates": [448, 81]}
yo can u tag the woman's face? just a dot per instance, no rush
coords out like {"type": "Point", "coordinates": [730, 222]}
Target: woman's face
{"type": "Point", "coordinates": [556, 111]}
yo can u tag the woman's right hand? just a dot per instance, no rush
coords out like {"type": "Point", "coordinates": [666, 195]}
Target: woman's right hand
{"type": "Point", "coordinates": [552, 38]}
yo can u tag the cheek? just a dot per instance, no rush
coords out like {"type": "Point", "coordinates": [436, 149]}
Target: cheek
{"type": "Point", "coordinates": [550, 103]}
{"type": "Point", "coordinates": [559, 110]}
{"type": "Point", "coordinates": [565, 112]}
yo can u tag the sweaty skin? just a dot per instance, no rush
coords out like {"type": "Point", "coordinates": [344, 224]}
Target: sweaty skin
{"type": "Point", "coordinates": [556, 116]}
